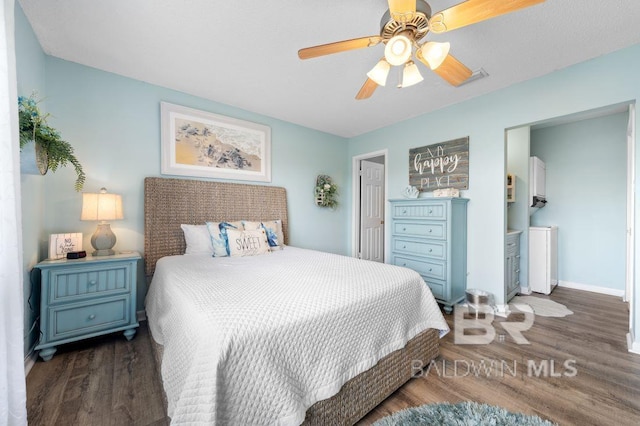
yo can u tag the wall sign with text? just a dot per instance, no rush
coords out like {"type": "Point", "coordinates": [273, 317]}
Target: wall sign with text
{"type": "Point", "coordinates": [441, 165]}
{"type": "Point", "coordinates": [61, 244]}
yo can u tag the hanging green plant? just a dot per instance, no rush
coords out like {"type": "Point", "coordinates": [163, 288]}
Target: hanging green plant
{"type": "Point", "coordinates": [326, 192]}
{"type": "Point", "coordinates": [50, 146]}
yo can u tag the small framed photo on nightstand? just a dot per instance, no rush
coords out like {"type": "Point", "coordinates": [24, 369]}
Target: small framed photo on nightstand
{"type": "Point", "coordinates": [61, 244]}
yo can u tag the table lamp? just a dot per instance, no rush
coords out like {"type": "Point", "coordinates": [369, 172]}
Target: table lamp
{"type": "Point", "coordinates": [102, 207]}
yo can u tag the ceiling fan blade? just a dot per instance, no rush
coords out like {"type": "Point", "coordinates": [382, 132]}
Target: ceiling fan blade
{"type": "Point", "coordinates": [338, 46]}
{"type": "Point", "coordinates": [474, 11]}
{"type": "Point", "coordinates": [402, 10]}
{"type": "Point", "coordinates": [367, 89]}
{"type": "Point", "coordinates": [451, 70]}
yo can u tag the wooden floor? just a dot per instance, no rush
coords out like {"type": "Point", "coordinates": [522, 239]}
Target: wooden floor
{"type": "Point", "coordinates": [110, 381]}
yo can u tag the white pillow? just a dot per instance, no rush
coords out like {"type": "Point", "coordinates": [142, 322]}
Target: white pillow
{"type": "Point", "coordinates": [247, 243]}
{"type": "Point", "coordinates": [218, 236]}
{"type": "Point", "coordinates": [198, 239]}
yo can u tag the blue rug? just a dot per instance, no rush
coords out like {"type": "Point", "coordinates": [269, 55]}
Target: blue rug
{"type": "Point", "coordinates": [461, 414]}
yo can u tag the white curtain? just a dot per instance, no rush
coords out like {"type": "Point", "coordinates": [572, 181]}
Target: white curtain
{"type": "Point", "coordinates": [12, 379]}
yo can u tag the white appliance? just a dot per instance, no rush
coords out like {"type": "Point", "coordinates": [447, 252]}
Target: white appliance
{"type": "Point", "coordinates": [537, 177]}
{"type": "Point", "coordinates": [543, 258]}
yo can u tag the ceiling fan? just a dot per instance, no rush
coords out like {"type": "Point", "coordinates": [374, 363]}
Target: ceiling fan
{"type": "Point", "coordinates": [404, 25]}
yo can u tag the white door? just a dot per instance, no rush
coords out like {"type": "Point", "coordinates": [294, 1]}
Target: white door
{"type": "Point", "coordinates": [371, 211]}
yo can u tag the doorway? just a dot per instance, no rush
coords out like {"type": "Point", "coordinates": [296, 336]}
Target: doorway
{"type": "Point", "coordinates": [369, 201]}
{"type": "Point", "coordinates": [574, 185]}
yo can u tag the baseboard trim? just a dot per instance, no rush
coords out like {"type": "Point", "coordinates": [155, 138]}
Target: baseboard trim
{"type": "Point", "coordinates": [141, 315]}
{"type": "Point", "coordinates": [633, 347]}
{"type": "Point", "coordinates": [29, 361]}
{"type": "Point", "coordinates": [591, 288]}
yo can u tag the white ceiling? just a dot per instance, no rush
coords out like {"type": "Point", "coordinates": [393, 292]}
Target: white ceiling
{"type": "Point", "coordinates": [244, 53]}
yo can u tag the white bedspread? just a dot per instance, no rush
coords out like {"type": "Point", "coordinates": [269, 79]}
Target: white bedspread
{"type": "Point", "coordinates": [258, 340]}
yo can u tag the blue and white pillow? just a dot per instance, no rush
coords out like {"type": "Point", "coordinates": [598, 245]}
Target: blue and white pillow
{"type": "Point", "coordinates": [219, 238]}
{"type": "Point", "coordinates": [273, 229]}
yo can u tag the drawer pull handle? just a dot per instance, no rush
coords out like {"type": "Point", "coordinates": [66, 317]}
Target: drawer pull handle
{"type": "Point", "coordinates": [93, 282]}
{"type": "Point", "coordinates": [430, 211]}
{"type": "Point", "coordinates": [430, 250]}
{"type": "Point", "coordinates": [517, 271]}
{"type": "Point", "coordinates": [404, 229]}
{"type": "Point", "coordinates": [404, 211]}
{"type": "Point", "coordinates": [92, 316]}
{"type": "Point", "coordinates": [404, 246]}
{"type": "Point", "coordinates": [430, 230]}
{"type": "Point", "coordinates": [517, 256]}
{"type": "Point", "coordinates": [512, 244]}
{"type": "Point", "coordinates": [404, 264]}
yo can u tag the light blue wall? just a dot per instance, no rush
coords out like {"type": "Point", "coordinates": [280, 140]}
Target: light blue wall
{"type": "Point", "coordinates": [607, 80]}
{"type": "Point", "coordinates": [30, 67]}
{"type": "Point", "coordinates": [586, 164]}
{"type": "Point", "coordinates": [518, 142]}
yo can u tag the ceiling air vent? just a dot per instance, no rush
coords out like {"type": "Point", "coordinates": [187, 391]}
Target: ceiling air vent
{"type": "Point", "coordinates": [476, 75]}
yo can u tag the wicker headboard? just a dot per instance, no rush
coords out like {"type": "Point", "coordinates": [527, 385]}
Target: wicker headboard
{"type": "Point", "coordinates": [171, 202]}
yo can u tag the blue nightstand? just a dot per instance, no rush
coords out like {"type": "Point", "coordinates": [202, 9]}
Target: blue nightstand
{"type": "Point", "coordinates": [86, 297]}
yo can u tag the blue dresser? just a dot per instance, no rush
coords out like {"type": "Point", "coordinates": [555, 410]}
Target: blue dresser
{"type": "Point", "coordinates": [429, 235]}
{"type": "Point", "coordinates": [86, 297]}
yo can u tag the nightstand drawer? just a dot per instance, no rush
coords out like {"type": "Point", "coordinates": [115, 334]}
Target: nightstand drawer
{"type": "Point", "coordinates": [427, 268]}
{"type": "Point", "coordinates": [421, 229]}
{"type": "Point", "coordinates": [434, 249]}
{"type": "Point", "coordinates": [80, 283]}
{"type": "Point", "coordinates": [434, 210]}
{"type": "Point", "coordinates": [85, 318]}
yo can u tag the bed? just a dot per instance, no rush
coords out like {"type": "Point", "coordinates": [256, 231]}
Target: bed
{"type": "Point", "coordinates": [311, 392]}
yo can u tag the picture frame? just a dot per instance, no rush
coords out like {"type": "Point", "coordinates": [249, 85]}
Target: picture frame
{"type": "Point", "coordinates": [61, 244]}
{"type": "Point", "coordinates": [203, 144]}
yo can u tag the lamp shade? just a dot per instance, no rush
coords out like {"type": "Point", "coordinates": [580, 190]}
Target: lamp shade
{"type": "Point", "coordinates": [398, 50]}
{"type": "Point", "coordinates": [435, 53]}
{"type": "Point", "coordinates": [380, 72]}
{"type": "Point", "coordinates": [410, 75]}
{"type": "Point", "coordinates": [101, 206]}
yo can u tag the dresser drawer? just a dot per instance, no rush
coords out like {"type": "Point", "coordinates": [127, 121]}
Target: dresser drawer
{"type": "Point", "coordinates": [436, 287]}
{"type": "Point", "coordinates": [437, 230]}
{"type": "Point", "coordinates": [434, 249]}
{"type": "Point", "coordinates": [434, 210]}
{"type": "Point", "coordinates": [513, 244]}
{"type": "Point", "coordinates": [71, 284]}
{"type": "Point", "coordinates": [85, 318]}
{"type": "Point", "coordinates": [427, 268]}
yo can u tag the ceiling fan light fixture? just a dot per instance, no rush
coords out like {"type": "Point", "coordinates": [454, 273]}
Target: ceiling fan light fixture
{"type": "Point", "coordinates": [410, 75]}
{"type": "Point", "coordinates": [398, 50]}
{"type": "Point", "coordinates": [435, 53]}
{"type": "Point", "coordinates": [380, 72]}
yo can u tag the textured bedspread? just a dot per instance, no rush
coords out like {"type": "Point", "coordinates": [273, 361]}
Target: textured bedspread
{"type": "Point", "coordinates": [258, 340]}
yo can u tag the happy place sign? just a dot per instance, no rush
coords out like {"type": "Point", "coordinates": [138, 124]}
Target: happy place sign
{"type": "Point", "coordinates": [441, 165]}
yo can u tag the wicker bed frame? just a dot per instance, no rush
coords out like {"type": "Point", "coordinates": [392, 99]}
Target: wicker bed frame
{"type": "Point", "coordinates": [171, 202]}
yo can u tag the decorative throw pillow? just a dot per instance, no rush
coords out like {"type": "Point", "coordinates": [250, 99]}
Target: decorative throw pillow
{"type": "Point", "coordinates": [273, 228]}
{"type": "Point", "coordinates": [275, 236]}
{"type": "Point", "coordinates": [218, 235]}
{"type": "Point", "coordinates": [197, 238]}
{"type": "Point", "coordinates": [247, 243]}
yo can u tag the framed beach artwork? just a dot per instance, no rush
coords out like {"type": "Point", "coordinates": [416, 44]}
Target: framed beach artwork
{"type": "Point", "coordinates": [203, 144]}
